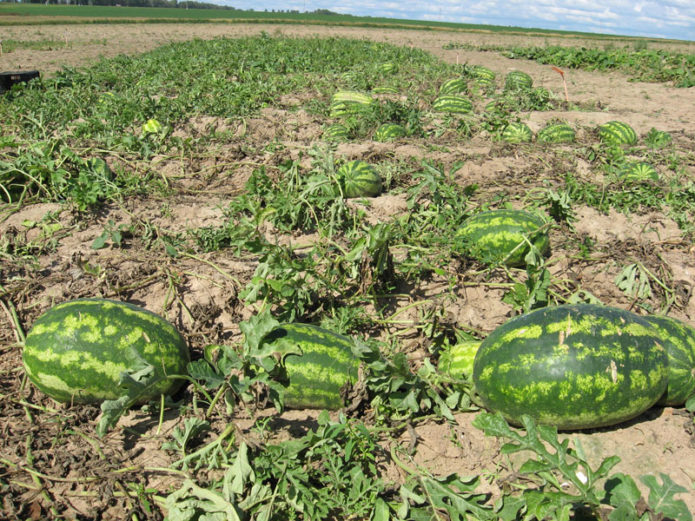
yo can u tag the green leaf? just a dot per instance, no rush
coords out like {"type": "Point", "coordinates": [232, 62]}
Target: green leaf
{"type": "Point", "coordinates": [661, 498]}
{"type": "Point", "coordinates": [100, 242]}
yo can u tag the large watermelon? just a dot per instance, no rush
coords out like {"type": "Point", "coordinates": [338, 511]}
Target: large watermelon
{"type": "Point", "coordinates": [318, 375]}
{"type": "Point", "coordinates": [77, 350]}
{"type": "Point", "coordinates": [360, 179]}
{"type": "Point", "coordinates": [679, 340]}
{"type": "Point", "coordinates": [556, 133]}
{"type": "Point", "coordinates": [572, 367]}
{"type": "Point", "coordinates": [617, 133]}
{"type": "Point", "coordinates": [452, 103]}
{"type": "Point", "coordinates": [503, 236]}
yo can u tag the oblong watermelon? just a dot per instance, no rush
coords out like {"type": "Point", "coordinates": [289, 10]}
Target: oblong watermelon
{"type": "Point", "coordinates": [453, 86]}
{"type": "Point", "coordinates": [679, 340]}
{"type": "Point", "coordinates": [360, 179]}
{"type": "Point", "coordinates": [318, 375]}
{"type": "Point", "coordinates": [556, 133]}
{"type": "Point", "coordinates": [452, 103]}
{"type": "Point", "coordinates": [389, 132]}
{"type": "Point", "coordinates": [503, 235]}
{"type": "Point", "coordinates": [572, 367]}
{"type": "Point", "coordinates": [76, 351]}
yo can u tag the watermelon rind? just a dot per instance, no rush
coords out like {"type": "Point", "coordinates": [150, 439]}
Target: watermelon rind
{"type": "Point", "coordinates": [317, 376]}
{"type": "Point", "coordinates": [572, 367]}
{"type": "Point", "coordinates": [503, 236]}
{"type": "Point", "coordinates": [76, 351]}
{"type": "Point", "coordinates": [452, 103]}
{"type": "Point", "coordinates": [517, 133]}
{"type": "Point", "coordinates": [389, 132]}
{"type": "Point", "coordinates": [679, 340]}
{"type": "Point", "coordinates": [360, 179]}
{"type": "Point", "coordinates": [556, 133]}
{"type": "Point", "coordinates": [617, 133]}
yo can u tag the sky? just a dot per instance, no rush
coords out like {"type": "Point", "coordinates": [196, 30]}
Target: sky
{"type": "Point", "coordinates": [660, 19]}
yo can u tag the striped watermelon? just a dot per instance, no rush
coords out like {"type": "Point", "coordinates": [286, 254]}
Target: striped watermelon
{"type": "Point", "coordinates": [617, 133]}
{"type": "Point", "coordinates": [359, 179]}
{"type": "Point", "coordinates": [517, 132]}
{"type": "Point", "coordinates": [639, 171]}
{"type": "Point", "coordinates": [345, 103]}
{"type": "Point", "coordinates": [452, 103]}
{"type": "Point", "coordinates": [76, 351]}
{"type": "Point", "coordinates": [385, 90]}
{"type": "Point", "coordinates": [336, 132]}
{"type": "Point", "coordinates": [453, 86]}
{"type": "Point", "coordinates": [388, 67]}
{"type": "Point", "coordinates": [679, 340]}
{"type": "Point", "coordinates": [503, 235]}
{"type": "Point", "coordinates": [479, 72]}
{"type": "Point", "coordinates": [517, 80]}
{"type": "Point", "coordinates": [573, 367]}
{"type": "Point", "coordinates": [325, 367]}
{"type": "Point", "coordinates": [556, 133]}
{"type": "Point", "coordinates": [457, 360]}
{"type": "Point", "coordinates": [389, 132]}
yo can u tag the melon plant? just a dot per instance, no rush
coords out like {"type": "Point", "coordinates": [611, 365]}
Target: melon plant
{"type": "Point", "coordinates": [452, 103]}
{"type": "Point", "coordinates": [359, 179]}
{"type": "Point", "coordinates": [77, 351]}
{"type": "Point", "coordinates": [517, 132]}
{"type": "Point", "coordinates": [556, 133]}
{"type": "Point", "coordinates": [572, 367]}
{"type": "Point", "coordinates": [453, 86]}
{"type": "Point", "coordinates": [504, 236]}
{"type": "Point", "coordinates": [389, 132]}
{"type": "Point", "coordinates": [517, 80]}
{"type": "Point", "coordinates": [319, 364]}
{"type": "Point", "coordinates": [617, 133]}
{"type": "Point", "coordinates": [679, 340]}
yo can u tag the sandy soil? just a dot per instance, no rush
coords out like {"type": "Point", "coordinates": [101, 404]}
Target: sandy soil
{"type": "Point", "coordinates": [660, 441]}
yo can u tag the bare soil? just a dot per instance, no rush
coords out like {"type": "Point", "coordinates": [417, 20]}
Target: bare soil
{"type": "Point", "coordinates": [55, 445]}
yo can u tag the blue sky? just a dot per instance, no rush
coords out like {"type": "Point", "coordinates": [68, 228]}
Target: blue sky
{"type": "Point", "coordinates": [662, 19]}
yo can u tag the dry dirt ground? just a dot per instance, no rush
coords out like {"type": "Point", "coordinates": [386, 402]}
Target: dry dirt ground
{"type": "Point", "coordinates": [86, 478]}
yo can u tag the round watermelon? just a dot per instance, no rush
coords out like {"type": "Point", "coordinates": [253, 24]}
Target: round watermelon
{"type": "Point", "coordinates": [360, 179]}
{"type": "Point", "coordinates": [76, 351]}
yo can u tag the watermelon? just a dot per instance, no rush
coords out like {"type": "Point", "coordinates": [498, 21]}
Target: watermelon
{"type": "Point", "coordinates": [317, 376]}
{"type": "Point", "coordinates": [517, 132]}
{"type": "Point", "coordinates": [389, 132]}
{"type": "Point", "coordinates": [679, 340]}
{"type": "Point", "coordinates": [336, 132]}
{"type": "Point", "coordinates": [76, 351]}
{"type": "Point", "coordinates": [517, 80]}
{"type": "Point", "coordinates": [481, 73]}
{"type": "Point", "coordinates": [639, 171]}
{"type": "Point", "coordinates": [452, 103]}
{"type": "Point", "coordinates": [556, 133]}
{"type": "Point", "coordinates": [572, 367]}
{"type": "Point", "coordinates": [453, 86]}
{"type": "Point", "coordinates": [503, 235]}
{"type": "Point", "coordinates": [345, 103]}
{"type": "Point", "coordinates": [617, 133]}
{"type": "Point", "coordinates": [388, 67]}
{"type": "Point", "coordinates": [385, 90]}
{"type": "Point", "coordinates": [360, 179]}
{"type": "Point", "coordinates": [457, 360]}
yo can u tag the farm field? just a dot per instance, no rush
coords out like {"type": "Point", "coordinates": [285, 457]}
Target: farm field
{"type": "Point", "coordinates": [189, 169]}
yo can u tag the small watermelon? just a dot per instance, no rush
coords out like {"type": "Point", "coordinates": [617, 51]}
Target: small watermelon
{"type": "Point", "coordinates": [346, 103]}
{"type": "Point", "coordinates": [325, 366]}
{"type": "Point", "coordinates": [76, 351]}
{"type": "Point", "coordinates": [359, 179]}
{"type": "Point", "coordinates": [388, 67]}
{"type": "Point", "coordinates": [336, 132]}
{"type": "Point", "coordinates": [385, 90]}
{"type": "Point", "coordinates": [617, 133]}
{"type": "Point", "coordinates": [639, 171]}
{"type": "Point", "coordinates": [453, 86]}
{"type": "Point", "coordinates": [517, 132]}
{"type": "Point", "coordinates": [504, 236]}
{"type": "Point", "coordinates": [452, 103]}
{"type": "Point", "coordinates": [679, 340]}
{"type": "Point", "coordinates": [556, 133]}
{"type": "Point", "coordinates": [480, 72]}
{"type": "Point", "coordinates": [517, 80]}
{"type": "Point", "coordinates": [572, 367]}
{"type": "Point", "coordinates": [389, 132]}
{"type": "Point", "coordinates": [457, 360]}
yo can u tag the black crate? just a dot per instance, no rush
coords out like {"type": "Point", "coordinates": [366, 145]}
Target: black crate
{"type": "Point", "coordinates": [9, 78]}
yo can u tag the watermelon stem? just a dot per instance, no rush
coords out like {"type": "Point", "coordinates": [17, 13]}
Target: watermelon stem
{"type": "Point", "coordinates": [12, 315]}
